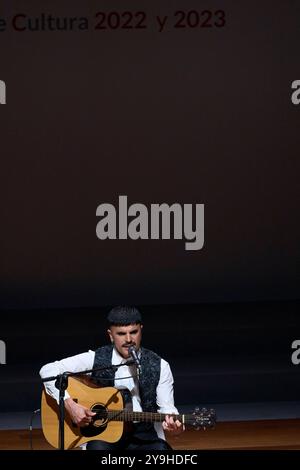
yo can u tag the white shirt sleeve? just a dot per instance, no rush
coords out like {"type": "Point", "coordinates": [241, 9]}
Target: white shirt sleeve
{"type": "Point", "coordinates": [165, 391]}
{"type": "Point", "coordinates": [76, 363]}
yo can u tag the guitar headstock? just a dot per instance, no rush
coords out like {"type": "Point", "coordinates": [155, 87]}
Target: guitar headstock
{"type": "Point", "coordinates": [201, 418]}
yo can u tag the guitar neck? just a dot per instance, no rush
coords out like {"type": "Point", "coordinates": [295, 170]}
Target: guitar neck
{"type": "Point", "coordinates": [144, 416]}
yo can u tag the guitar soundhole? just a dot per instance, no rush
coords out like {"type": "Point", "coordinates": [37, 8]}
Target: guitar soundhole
{"type": "Point", "coordinates": [99, 421]}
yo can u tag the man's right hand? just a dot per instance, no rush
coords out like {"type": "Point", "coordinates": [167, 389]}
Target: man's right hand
{"type": "Point", "coordinates": [79, 414]}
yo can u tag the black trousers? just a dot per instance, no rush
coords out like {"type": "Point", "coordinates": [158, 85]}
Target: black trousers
{"type": "Point", "coordinates": [129, 443]}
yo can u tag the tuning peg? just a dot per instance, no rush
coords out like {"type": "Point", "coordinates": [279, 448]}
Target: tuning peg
{"type": "Point", "coordinates": [195, 426]}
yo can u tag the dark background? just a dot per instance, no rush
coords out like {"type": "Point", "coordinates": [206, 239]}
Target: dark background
{"type": "Point", "coordinates": [219, 353]}
{"type": "Point", "coordinates": [199, 115]}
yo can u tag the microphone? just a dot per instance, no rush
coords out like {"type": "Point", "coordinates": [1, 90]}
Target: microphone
{"type": "Point", "coordinates": [133, 353]}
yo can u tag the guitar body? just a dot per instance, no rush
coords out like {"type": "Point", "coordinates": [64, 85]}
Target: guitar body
{"type": "Point", "coordinates": [114, 415]}
{"type": "Point", "coordinates": [93, 397]}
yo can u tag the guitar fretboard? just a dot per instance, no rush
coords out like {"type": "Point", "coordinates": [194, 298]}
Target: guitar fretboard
{"type": "Point", "coordinates": [145, 416]}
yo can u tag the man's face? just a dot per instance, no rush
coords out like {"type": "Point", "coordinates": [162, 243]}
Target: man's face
{"type": "Point", "coordinates": [125, 336]}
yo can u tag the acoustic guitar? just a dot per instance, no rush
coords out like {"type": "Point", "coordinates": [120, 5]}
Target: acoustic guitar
{"type": "Point", "coordinates": [113, 408]}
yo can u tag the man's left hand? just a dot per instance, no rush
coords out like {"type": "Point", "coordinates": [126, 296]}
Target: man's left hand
{"type": "Point", "coordinates": [172, 427]}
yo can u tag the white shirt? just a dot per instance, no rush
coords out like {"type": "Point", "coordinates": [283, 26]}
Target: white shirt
{"type": "Point", "coordinates": [85, 361]}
